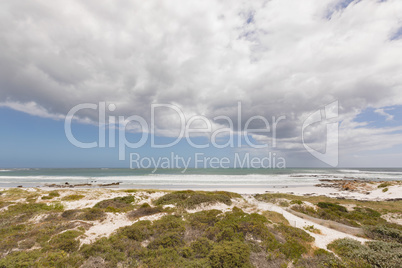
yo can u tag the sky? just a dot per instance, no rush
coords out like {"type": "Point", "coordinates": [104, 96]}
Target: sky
{"type": "Point", "coordinates": [314, 83]}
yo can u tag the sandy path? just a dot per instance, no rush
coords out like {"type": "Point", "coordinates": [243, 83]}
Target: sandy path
{"type": "Point", "coordinates": [321, 240]}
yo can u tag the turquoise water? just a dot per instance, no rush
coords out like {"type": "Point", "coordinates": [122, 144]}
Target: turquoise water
{"type": "Point", "coordinates": [192, 178]}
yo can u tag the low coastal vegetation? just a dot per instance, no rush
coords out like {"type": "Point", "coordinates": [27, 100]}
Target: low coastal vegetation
{"type": "Point", "coordinates": [73, 197]}
{"type": "Point", "coordinates": [372, 254]}
{"type": "Point", "coordinates": [382, 207]}
{"type": "Point", "coordinates": [173, 230]}
{"type": "Point", "coordinates": [191, 199]}
{"type": "Point", "coordinates": [117, 204]}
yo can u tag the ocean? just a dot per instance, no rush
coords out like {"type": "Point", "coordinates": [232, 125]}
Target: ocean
{"type": "Point", "coordinates": [213, 179]}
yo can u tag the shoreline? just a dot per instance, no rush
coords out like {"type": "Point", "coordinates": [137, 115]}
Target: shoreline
{"type": "Point", "coordinates": [340, 189]}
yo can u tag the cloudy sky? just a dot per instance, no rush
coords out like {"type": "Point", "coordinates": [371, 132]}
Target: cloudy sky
{"type": "Point", "coordinates": [208, 59]}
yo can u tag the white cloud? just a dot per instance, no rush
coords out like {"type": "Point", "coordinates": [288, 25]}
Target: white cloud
{"type": "Point", "coordinates": [382, 112]}
{"type": "Point", "coordinates": [278, 57]}
{"type": "Point", "coordinates": [32, 108]}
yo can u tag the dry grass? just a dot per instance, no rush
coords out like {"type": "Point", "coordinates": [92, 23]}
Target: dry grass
{"type": "Point", "coordinates": [275, 217]}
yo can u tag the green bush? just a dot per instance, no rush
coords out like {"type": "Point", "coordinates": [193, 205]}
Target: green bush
{"type": "Point", "coordinates": [298, 202]}
{"type": "Point", "coordinates": [51, 195]}
{"type": "Point", "coordinates": [21, 212]}
{"type": "Point", "coordinates": [93, 214]}
{"type": "Point", "coordinates": [373, 254]}
{"type": "Point", "coordinates": [297, 241]}
{"type": "Point", "coordinates": [330, 211]}
{"type": "Point", "coordinates": [162, 258]}
{"type": "Point", "coordinates": [66, 241]}
{"type": "Point", "coordinates": [384, 184]}
{"type": "Point", "coordinates": [203, 219]}
{"type": "Point", "coordinates": [345, 247]}
{"type": "Point", "coordinates": [384, 232]}
{"type": "Point", "coordinates": [139, 231]}
{"type": "Point", "coordinates": [230, 254]}
{"type": "Point", "coordinates": [70, 214]}
{"type": "Point", "coordinates": [293, 232]}
{"type": "Point", "coordinates": [144, 210]}
{"type": "Point", "coordinates": [169, 223]}
{"type": "Point", "coordinates": [112, 250]}
{"type": "Point", "coordinates": [38, 258]}
{"type": "Point", "coordinates": [117, 204]}
{"type": "Point", "coordinates": [167, 240]}
{"type": "Point", "coordinates": [292, 249]}
{"type": "Point", "coordinates": [191, 199]}
{"type": "Point", "coordinates": [323, 258]}
{"type": "Point", "coordinates": [275, 217]}
{"type": "Point", "coordinates": [332, 206]}
{"type": "Point", "coordinates": [72, 197]}
{"type": "Point", "coordinates": [201, 247]}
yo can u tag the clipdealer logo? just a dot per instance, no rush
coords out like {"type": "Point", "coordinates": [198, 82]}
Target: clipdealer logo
{"type": "Point", "coordinates": [236, 138]}
{"type": "Point", "coordinates": [328, 113]}
{"type": "Point", "coordinates": [117, 127]}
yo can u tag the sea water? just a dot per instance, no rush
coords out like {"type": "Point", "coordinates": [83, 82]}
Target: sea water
{"type": "Point", "coordinates": [214, 179]}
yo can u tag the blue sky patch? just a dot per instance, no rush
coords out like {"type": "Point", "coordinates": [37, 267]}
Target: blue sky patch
{"type": "Point", "coordinates": [397, 35]}
{"type": "Point", "coordinates": [339, 6]}
{"type": "Point", "coordinates": [385, 117]}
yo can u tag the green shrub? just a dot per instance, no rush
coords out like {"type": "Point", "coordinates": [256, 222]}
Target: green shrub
{"type": "Point", "coordinates": [191, 199]}
{"type": "Point", "coordinates": [169, 223]}
{"type": "Point", "coordinates": [167, 240]}
{"type": "Point", "coordinates": [139, 231]}
{"type": "Point", "coordinates": [345, 247]}
{"type": "Point", "coordinates": [373, 254]}
{"type": "Point", "coordinates": [112, 250]}
{"type": "Point", "coordinates": [385, 190]}
{"type": "Point", "coordinates": [293, 232]}
{"type": "Point", "coordinates": [144, 210]}
{"type": "Point", "coordinates": [93, 214]}
{"type": "Point", "coordinates": [66, 241]}
{"type": "Point", "coordinates": [230, 254]}
{"type": "Point", "coordinates": [332, 206]}
{"type": "Point", "coordinates": [116, 204]}
{"type": "Point", "coordinates": [33, 208]}
{"type": "Point", "coordinates": [297, 201]}
{"type": "Point", "coordinates": [201, 247]}
{"type": "Point", "coordinates": [10, 235]}
{"type": "Point", "coordinates": [38, 258]}
{"type": "Point", "coordinates": [323, 258]}
{"type": "Point", "coordinates": [292, 249]}
{"type": "Point", "coordinates": [54, 194]}
{"type": "Point", "coordinates": [297, 241]}
{"type": "Point", "coordinates": [275, 217]}
{"type": "Point", "coordinates": [186, 252]}
{"type": "Point", "coordinates": [229, 234]}
{"type": "Point", "coordinates": [129, 191]}
{"type": "Point", "coordinates": [203, 219]}
{"type": "Point", "coordinates": [20, 259]}
{"type": "Point", "coordinates": [51, 195]}
{"type": "Point", "coordinates": [72, 197]}
{"type": "Point", "coordinates": [384, 232]}
{"type": "Point", "coordinates": [21, 212]}
{"type": "Point", "coordinates": [162, 258]}
{"type": "Point", "coordinates": [70, 214]}
{"type": "Point", "coordinates": [384, 184]}
{"type": "Point", "coordinates": [330, 211]}
{"type": "Point", "coordinates": [321, 252]}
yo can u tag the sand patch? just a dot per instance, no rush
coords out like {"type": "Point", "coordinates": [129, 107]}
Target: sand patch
{"type": "Point", "coordinates": [113, 222]}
